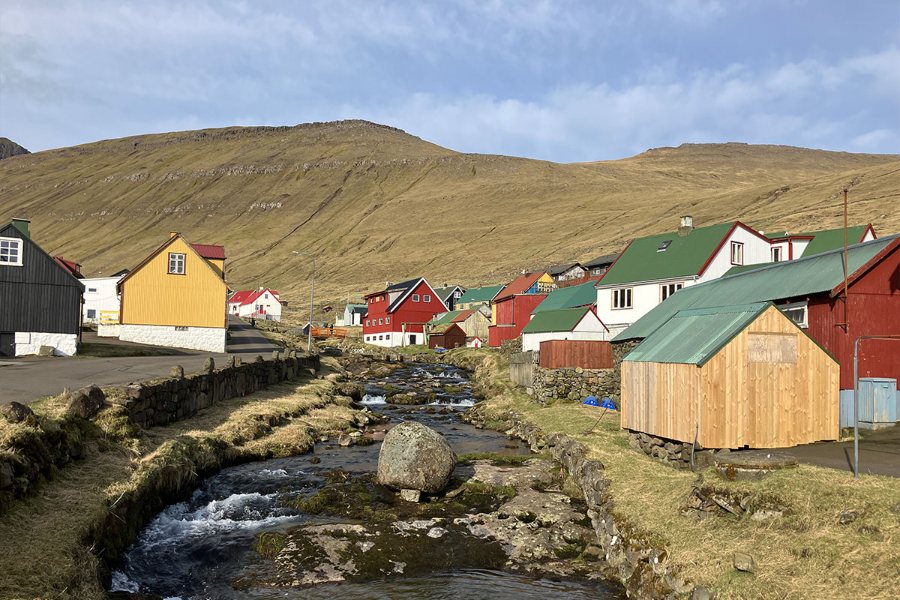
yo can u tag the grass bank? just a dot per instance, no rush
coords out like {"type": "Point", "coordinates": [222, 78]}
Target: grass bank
{"type": "Point", "coordinates": [805, 554]}
{"type": "Point", "coordinates": [55, 543]}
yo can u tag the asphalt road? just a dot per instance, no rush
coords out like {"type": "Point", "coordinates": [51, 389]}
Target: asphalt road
{"type": "Point", "coordinates": [29, 378]}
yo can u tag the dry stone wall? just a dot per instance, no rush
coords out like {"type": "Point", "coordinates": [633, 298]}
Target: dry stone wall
{"type": "Point", "coordinates": [573, 385]}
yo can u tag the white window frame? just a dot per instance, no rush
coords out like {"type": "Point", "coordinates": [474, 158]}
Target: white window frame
{"type": "Point", "coordinates": [415, 297]}
{"type": "Point", "coordinates": [426, 298]}
{"type": "Point", "coordinates": [777, 252]}
{"type": "Point", "coordinates": [667, 289]}
{"type": "Point", "coordinates": [12, 243]}
{"type": "Point", "coordinates": [796, 307]}
{"type": "Point", "coordinates": [622, 298]}
{"type": "Point", "coordinates": [737, 248]}
{"type": "Point", "coordinates": [387, 320]}
{"type": "Point", "coordinates": [367, 322]}
{"type": "Point", "coordinates": [174, 256]}
{"type": "Point", "coordinates": [381, 321]}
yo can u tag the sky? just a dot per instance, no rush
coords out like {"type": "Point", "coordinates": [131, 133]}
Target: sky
{"type": "Point", "coordinates": [566, 81]}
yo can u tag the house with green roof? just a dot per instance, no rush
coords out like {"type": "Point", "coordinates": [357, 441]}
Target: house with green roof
{"type": "Point", "coordinates": [563, 324]}
{"type": "Point", "coordinates": [568, 297]}
{"type": "Point", "coordinates": [732, 376]}
{"type": "Point", "coordinates": [450, 295]}
{"type": "Point", "coordinates": [475, 297]}
{"type": "Point", "coordinates": [810, 291]}
{"type": "Point", "coordinates": [790, 246]}
{"type": "Point", "coordinates": [653, 268]}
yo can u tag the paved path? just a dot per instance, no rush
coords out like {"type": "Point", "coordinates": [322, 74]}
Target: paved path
{"type": "Point", "coordinates": [879, 453]}
{"type": "Point", "coordinates": [30, 378]}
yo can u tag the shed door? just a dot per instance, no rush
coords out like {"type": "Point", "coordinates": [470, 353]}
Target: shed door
{"type": "Point", "coordinates": [7, 344]}
{"type": "Point", "coordinates": [877, 403]}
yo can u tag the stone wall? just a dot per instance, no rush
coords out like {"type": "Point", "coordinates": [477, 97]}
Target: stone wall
{"type": "Point", "coordinates": [208, 339]}
{"type": "Point", "coordinates": [573, 384]}
{"type": "Point", "coordinates": [673, 453]}
{"type": "Point", "coordinates": [164, 401]}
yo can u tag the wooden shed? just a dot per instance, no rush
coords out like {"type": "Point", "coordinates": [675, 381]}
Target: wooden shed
{"type": "Point", "coordinates": [448, 335]}
{"type": "Point", "coordinates": [738, 376]}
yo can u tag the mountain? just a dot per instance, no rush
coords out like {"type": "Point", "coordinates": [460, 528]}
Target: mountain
{"type": "Point", "coordinates": [375, 204]}
{"type": "Point", "coordinates": [10, 148]}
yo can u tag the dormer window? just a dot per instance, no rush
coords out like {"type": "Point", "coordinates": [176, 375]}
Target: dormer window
{"type": "Point", "coordinates": [663, 246]}
{"type": "Point", "coordinates": [11, 252]}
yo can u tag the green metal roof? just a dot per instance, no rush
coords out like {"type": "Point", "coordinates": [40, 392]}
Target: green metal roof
{"type": "Point", "coordinates": [555, 320]}
{"type": "Point", "coordinates": [832, 239]}
{"type": "Point", "coordinates": [445, 318]}
{"type": "Point", "coordinates": [482, 294]}
{"type": "Point", "coordinates": [744, 268]}
{"type": "Point", "coordinates": [692, 337]}
{"type": "Point", "coordinates": [642, 260]}
{"type": "Point", "coordinates": [568, 297]}
{"type": "Point", "coordinates": [779, 281]}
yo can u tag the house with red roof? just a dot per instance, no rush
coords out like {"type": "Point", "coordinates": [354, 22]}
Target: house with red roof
{"type": "Point", "coordinates": [511, 308]}
{"type": "Point", "coordinates": [256, 304]}
{"type": "Point", "coordinates": [71, 266]}
{"type": "Point", "coordinates": [397, 314]}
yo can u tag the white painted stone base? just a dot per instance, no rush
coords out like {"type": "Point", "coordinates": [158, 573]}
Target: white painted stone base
{"type": "Point", "coordinates": [111, 330]}
{"type": "Point", "coordinates": [392, 339]}
{"type": "Point", "coordinates": [64, 344]}
{"type": "Point", "coordinates": [211, 339]}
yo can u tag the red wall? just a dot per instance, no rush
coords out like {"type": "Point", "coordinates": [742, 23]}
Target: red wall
{"type": "Point", "coordinates": [874, 310]}
{"type": "Point", "coordinates": [408, 312]}
{"type": "Point", "coordinates": [515, 311]}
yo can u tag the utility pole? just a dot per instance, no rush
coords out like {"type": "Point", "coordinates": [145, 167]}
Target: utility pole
{"type": "Point", "coordinates": [312, 295]}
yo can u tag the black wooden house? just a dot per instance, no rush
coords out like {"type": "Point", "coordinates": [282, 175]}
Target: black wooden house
{"type": "Point", "coordinates": [40, 300]}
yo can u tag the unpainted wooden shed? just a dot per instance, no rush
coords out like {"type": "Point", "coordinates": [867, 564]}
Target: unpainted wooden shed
{"type": "Point", "coordinates": [736, 376]}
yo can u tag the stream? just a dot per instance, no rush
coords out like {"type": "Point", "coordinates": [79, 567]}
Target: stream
{"type": "Point", "coordinates": [198, 549]}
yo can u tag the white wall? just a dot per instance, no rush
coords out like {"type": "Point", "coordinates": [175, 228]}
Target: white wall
{"type": "Point", "coordinates": [393, 339]}
{"type": "Point", "coordinates": [210, 339]}
{"type": "Point", "coordinates": [104, 299]}
{"type": "Point", "coordinates": [756, 251]}
{"type": "Point", "coordinates": [589, 328]}
{"type": "Point", "coordinates": [64, 344]}
{"type": "Point", "coordinates": [644, 297]}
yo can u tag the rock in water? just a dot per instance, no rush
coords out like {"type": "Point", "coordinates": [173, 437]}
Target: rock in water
{"type": "Point", "coordinates": [415, 457]}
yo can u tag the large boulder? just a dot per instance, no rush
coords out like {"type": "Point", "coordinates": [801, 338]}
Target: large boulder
{"type": "Point", "coordinates": [415, 457]}
{"type": "Point", "coordinates": [86, 402]}
{"type": "Point", "coordinates": [16, 412]}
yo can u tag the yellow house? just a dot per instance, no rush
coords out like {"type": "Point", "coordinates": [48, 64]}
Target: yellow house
{"type": "Point", "coordinates": [176, 297]}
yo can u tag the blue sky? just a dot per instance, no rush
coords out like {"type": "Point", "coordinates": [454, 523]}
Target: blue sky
{"type": "Point", "coordinates": [562, 81]}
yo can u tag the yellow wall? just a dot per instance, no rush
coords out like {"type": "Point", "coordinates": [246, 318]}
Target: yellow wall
{"type": "Point", "coordinates": [217, 265]}
{"type": "Point", "coordinates": [152, 296]}
{"type": "Point", "coordinates": [545, 284]}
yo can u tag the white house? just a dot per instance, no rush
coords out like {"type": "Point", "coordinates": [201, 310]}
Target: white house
{"type": "Point", "coordinates": [256, 304]}
{"type": "Point", "coordinates": [652, 268]}
{"type": "Point", "coordinates": [563, 324]}
{"type": "Point", "coordinates": [352, 316]}
{"type": "Point", "coordinates": [100, 297]}
{"type": "Point", "coordinates": [791, 246]}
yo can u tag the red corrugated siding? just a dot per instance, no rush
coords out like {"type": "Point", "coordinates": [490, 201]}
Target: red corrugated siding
{"type": "Point", "coordinates": [515, 311]}
{"type": "Point", "coordinates": [874, 310]}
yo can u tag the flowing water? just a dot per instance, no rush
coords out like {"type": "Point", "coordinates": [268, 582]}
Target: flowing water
{"type": "Point", "coordinates": [195, 549]}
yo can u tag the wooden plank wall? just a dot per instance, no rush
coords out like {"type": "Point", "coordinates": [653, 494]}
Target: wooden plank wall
{"type": "Point", "coordinates": [736, 402]}
{"type": "Point", "coordinates": [558, 354]}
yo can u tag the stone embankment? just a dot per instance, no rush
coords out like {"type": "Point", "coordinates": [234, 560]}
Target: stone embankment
{"type": "Point", "coordinates": [37, 450]}
{"type": "Point", "coordinates": [630, 558]}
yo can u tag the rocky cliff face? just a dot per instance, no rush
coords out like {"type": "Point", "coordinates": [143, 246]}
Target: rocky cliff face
{"type": "Point", "coordinates": [10, 148]}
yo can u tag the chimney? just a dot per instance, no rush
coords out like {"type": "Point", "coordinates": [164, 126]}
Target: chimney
{"type": "Point", "coordinates": [172, 234]}
{"type": "Point", "coordinates": [22, 226]}
{"type": "Point", "coordinates": [687, 226]}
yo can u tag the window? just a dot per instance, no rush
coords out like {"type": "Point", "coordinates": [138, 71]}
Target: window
{"type": "Point", "coordinates": [381, 321]}
{"type": "Point", "coordinates": [367, 322]}
{"type": "Point", "coordinates": [663, 246]}
{"type": "Point", "coordinates": [737, 253]}
{"type": "Point", "coordinates": [176, 263]}
{"type": "Point", "coordinates": [415, 297]}
{"type": "Point", "coordinates": [387, 321]}
{"type": "Point", "coordinates": [426, 298]}
{"type": "Point", "coordinates": [92, 313]}
{"type": "Point", "coordinates": [776, 254]}
{"type": "Point", "coordinates": [382, 298]}
{"type": "Point", "coordinates": [796, 312]}
{"type": "Point", "coordinates": [621, 298]}
{"type": "Point", "coordinates": [93, 290]}
{"type": "Point", "coordinates": [380, 337]}
{"type": "Point", "coordinates": [10, 251]}
{"type": "Point", "coordinates": [667, 289]}
{"type": "Point", "coordinates": [266, 296]}
{"type": "Point", "coordinates": [456, 295]}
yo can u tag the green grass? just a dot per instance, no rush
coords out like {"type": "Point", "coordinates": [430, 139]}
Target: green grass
{"type": "Point", "coordinates": [101, 350]}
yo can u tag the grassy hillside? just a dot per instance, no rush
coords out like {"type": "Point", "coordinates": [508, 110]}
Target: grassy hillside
{"type": "Point", "coordinates": [375, 204]}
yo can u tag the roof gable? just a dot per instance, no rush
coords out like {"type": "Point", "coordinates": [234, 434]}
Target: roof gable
{"type": "Point", "coordinates": [409, 287]}
{"type": "Point", "coordinates": [62, 275]}
{"type": "Point", "coordinates": [445, 328]}
{"type": "Point", "coordinates": [651, 258]}
{"type": "Point", "coordinates": [556, 320]}
{"type": "Point", "coordinates": [606, 259]}
{"type": "Point", "coordinates": [832, 239]}
{"type": "Point", "coordinates": [445, 292]}
{"type": "Point", "coordinates": [159, 250]}
{"type": "Point", "coordinates": [560, 269]}
{"type": "Point", "coordinates": [520, 285]}
{"type": "Point", "coordinates": [779, 281]}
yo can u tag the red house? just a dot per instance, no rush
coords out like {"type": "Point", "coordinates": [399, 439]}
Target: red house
{"type": "Point", "coordinates": [512, 307]}
{"type": "Point", "coordinates": [397, 314]}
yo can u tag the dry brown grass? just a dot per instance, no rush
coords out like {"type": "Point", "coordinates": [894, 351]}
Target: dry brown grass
{"type": "Point", "coordinates": [805, 555]}
{"type": "Point", "coordinates": [377, 205]}
{"type": "Point", "coordinates": [42, 554]}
